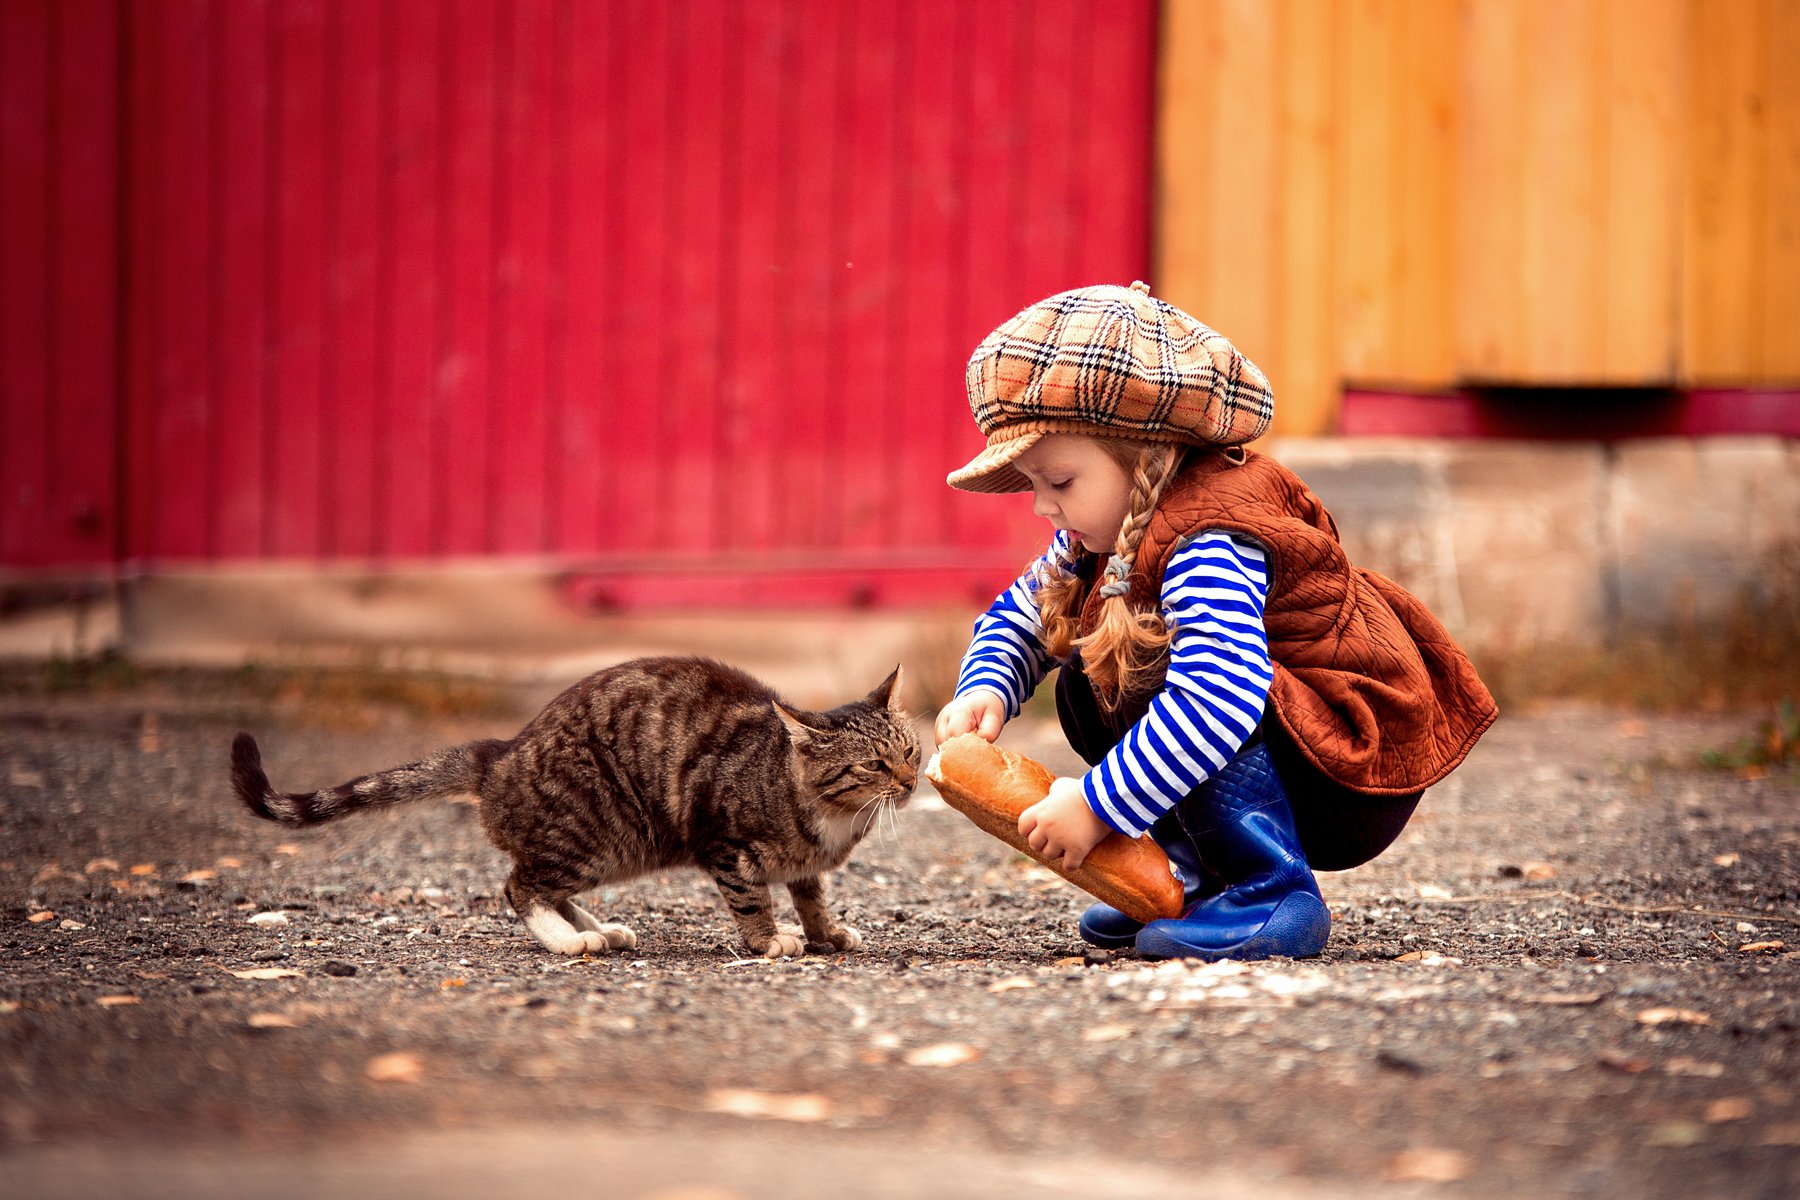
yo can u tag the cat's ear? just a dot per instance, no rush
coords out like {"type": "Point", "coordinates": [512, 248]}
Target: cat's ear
{"type": "Point", "coordinates": [799, 732]}
{"type": "Point", "coordinates": [887, 693]}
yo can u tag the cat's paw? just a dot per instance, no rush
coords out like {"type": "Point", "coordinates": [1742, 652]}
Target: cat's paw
{"type": "Point", "coordinates": [787, 942]}
{"type": "Point", "coordinates": [618, 937]}
{"type": "Point", "coordinates": [844, 938]}
{"type": "Point", "coordinates": [586, 941]}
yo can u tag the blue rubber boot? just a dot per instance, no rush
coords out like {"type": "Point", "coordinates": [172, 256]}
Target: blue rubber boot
{"type": "Point", "coordinates": [1270, 905]}
{"type": "Point", "coordinates": [1104, 926]}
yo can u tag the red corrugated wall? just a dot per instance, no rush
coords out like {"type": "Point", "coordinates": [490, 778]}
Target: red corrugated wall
{"type": "Point", "coordinates": [673, 295]}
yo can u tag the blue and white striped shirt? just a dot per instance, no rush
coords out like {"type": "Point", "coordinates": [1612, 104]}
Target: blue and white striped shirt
{"type": "Point", "coordinates": [1213, 592]}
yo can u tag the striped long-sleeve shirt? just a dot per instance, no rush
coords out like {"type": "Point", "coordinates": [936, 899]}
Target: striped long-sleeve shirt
{"type": "Point", "coordinates": [1213, 592]}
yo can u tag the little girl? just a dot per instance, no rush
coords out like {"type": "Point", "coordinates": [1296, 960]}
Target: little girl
{"type": "Point", "coordinates": [1244, 695]}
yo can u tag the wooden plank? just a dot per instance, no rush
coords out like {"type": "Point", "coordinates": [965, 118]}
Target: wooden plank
{"type": "Point", "coordinates": [1187, 124]}
{"type": "Point", "coordinates": [810, 242]}
{"type": "Point", "coordinates": [642, 57]}
{"type": "Point", "coordinates": [1244, 180]}
{"type": "Point", "coordinates": [355, 182]}
{"type": "Point", "coordinates": [1641, 228]}
{"type": "Point", "coordinates": [753, 391]}
{"type": "Point", "coordinates": [244, 430]}
{"type": "Point", "coordinates": [926, 367]}
{"type": "Point", "coordinates": [1421, 334]}
{"type": "Point", "coordinates": [991, 292]}
{"type": "Point", "coordinates": [857, 436]}
{"type": "Point", "coordinates": [296, 486]}
{"type": "Point", "coordinates": [1366, 233]}
{"type": "Point", "coordinates": [522, 427]}
{"type": "Point", "coordinates": [26, 182]}
{"type": "Point", "coordinates": [466, 479]}
{"type": "Point", "coordinates": [1720, 263]}
{"type": "Point", "coordinates": [581, 228]}
{"type": "Point", "coordinates": [1303, 365]}
{"type": "Point", "coordinates": [180, 188]}
{"type": "Point", "coordinates": [1779, 240]}
{"type": "Point", "coordinates": [1562, 156]}
{"type": "Point", "coordinates": [1490, 191]}
{"type": "Point", "coordinates": [84, 353]}
{"type": "Point", "coordinates": [693, 211]}
{"type": "Point", "coordinates": [412, 233]}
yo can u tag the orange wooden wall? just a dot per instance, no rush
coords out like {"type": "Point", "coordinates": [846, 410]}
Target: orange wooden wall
{"type": "Point", "coordinates": [1427, 194]}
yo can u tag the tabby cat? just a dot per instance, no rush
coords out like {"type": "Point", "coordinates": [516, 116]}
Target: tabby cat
{"type": "Point", "coordinates": [654, 763]}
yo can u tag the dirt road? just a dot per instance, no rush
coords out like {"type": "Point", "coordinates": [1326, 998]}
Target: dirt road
{"type": "Point", "coordinates": [1575, 975]}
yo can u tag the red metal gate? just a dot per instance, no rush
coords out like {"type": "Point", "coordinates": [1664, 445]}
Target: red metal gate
{"type": "Point", "coordinates": [601, 283]}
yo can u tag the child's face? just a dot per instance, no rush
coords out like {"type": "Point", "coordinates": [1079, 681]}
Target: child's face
{"type": "Point", "coordinates": [1076, 485]}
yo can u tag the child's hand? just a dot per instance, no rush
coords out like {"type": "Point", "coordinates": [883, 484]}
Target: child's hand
{"type": "Point", "coordinates": [979, 711]}
{"type": "Point", "coordinates": [1062, 826]}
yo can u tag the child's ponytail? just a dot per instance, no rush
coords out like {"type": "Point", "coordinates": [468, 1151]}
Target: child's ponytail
{"type": "Point", "coordinates": [1125, 642]}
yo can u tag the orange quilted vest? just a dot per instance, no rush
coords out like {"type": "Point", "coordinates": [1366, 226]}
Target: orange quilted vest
{"type": "Point", "coordinates": [1370, 685]}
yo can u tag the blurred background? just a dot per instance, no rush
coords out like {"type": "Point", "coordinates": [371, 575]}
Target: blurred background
{"type": "Point", "coordinates": [534, 333]}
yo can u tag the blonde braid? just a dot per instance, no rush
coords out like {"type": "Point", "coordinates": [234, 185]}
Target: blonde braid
{"type": "Point", "coordinates": [1127, 642]}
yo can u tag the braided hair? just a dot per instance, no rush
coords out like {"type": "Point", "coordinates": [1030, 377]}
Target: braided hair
{"type": "Point", "coordinates": [1126, 643]}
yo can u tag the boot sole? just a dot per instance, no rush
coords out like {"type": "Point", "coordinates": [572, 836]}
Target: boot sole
{"type": "Point", "coordinates": [1298, 928]}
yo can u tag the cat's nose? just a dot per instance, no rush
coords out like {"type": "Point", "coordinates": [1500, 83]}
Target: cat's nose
{"type": "Point", "coordinates": [907, 777]}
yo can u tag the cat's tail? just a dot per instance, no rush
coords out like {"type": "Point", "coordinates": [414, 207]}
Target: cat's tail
{"type": "Point", "coordinates": [458, 769]}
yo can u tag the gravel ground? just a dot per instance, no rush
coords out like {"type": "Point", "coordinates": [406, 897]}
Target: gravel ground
{"type": "Point", "coordinates": [1574, 975]}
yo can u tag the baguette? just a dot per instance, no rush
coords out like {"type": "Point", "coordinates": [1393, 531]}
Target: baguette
{"type": "Point", "coordinates": [991, 786]}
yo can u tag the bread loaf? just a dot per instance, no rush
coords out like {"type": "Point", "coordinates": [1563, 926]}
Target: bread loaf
{"type": "Point", "coordinates": [992, 786]}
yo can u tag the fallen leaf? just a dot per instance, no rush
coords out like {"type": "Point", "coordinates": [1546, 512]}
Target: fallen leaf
{"type": "Point", "coordinates": [1762, 947]}
{"type": "Point", "coordinates": [1615, 1060]}
{"type": "Point", "coordinates": [1678, 1133]}
{"type": "Point", "coordinates": [1673, 1016]}
{"type": "Point", "coordinates": [1565, 999]}
{"type": "Point", "coordinates": [271, 1021]}
{"type": "Point", "coordinates": [1427, 1164]}
{"type": "Point", "coordinates": [453, 983]}
{"type": "Point", "coordinates": [38, 918]}
{"type": "Point", "coordinates": [1538, 870]}
{"type": "Point", "coordinates": [944, 1054]}
{"type": "Point", "coordinates": [1695, 1067]}
{"type": "Point", "coordinates": [1731, 1108]}
{"type": "Point", "coordinates": [287, 848]}
{"type": "Point", "coordinates": [1010, 985]}
{"type": "Point", "coordinates": [229, 863]}
{"type": "Point", "coordinates": [267, 973]}
{"type": "Point", "coordinates": [200, 876]}
{"type": "Point", "coordinates": [1430, 958]}
{"type": "Point", "coordinates": [116, 1001]}
{"type": "Point", "coordinates": [1431, 891]}
{"type": "Point", "coordinates": [1781, 1135]}
{"type": "Point", "coordinates": [143, 869]}
{"type": "Point", "coordinates": [100, 864]}
{"type": "Point", "coordinates": [1106, 1033]}
{"type": "Point", "coordinates": [741, 1102]}
{"type": "Point", "coordinates": [1725, 860]}
{"type": "Point", "coordinates": [1070, 962]}
{"type": "Point", "coordinates": [52, 870]}
{"type": "Point", "coordinates": [399, 1067]}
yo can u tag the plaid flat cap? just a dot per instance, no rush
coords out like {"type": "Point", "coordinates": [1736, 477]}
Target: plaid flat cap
{"type": "Point", "coordinates": [1106, 360]}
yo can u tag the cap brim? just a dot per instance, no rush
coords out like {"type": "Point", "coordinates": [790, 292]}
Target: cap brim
{"type": "Point", "coordinates": [992, 471]}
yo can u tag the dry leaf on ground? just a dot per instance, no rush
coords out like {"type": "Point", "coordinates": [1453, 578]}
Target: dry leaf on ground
{"type": "Point", "coordinates": [38, 918]}
{"type": "Point", "coordinates": [399, 1067]}
{"type": "Point", "coordinates": [1770, 947]}
{"type": "Point", "coordinates": [1673, 1016]}
{"type": "Point", "coordinates": [1427, 1164]}
{"type": "Point", "coordinates": [1011, 985]}
{"type": "Point", "coordinates": [1106, 1033]}
{"type": "Point", "coordinates": [267, 973]}
{"type": "Point", "coordinates": [944, 1054]}
{"type": "Point", "coordinates": [1731, 1108]}
{"type": "Point", "coordinates": [741, 1102]}
{"type": "Point", "coordinates": [116, 1001]}
{"type": "Point", "coordinates": [271, 1021]}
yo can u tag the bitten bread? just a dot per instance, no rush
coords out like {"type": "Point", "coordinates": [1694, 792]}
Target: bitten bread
{"type": "Point", "coordinates": [992, 786]}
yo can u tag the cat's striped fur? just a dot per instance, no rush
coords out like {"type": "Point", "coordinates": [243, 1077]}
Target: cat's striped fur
{"type": "Point", "coordinates": [657, 763]}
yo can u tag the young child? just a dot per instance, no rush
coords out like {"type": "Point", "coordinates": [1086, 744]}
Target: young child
{"type": "Point", "coordinates": [1243, 694]}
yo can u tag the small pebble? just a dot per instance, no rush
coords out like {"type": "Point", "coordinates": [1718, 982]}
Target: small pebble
{"type": "Point", "coordinates": [269, 918]}
{"type": "Point", "coordinates": [342, 970]}
{"type": "Point", "coordinates": [268, 956]}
